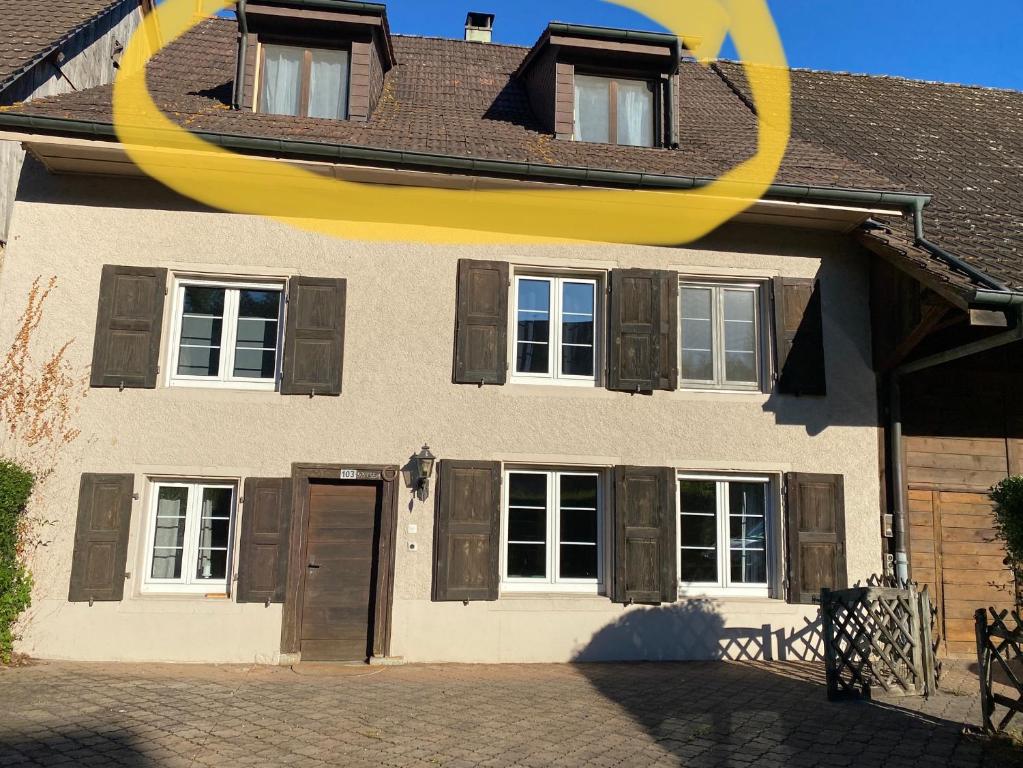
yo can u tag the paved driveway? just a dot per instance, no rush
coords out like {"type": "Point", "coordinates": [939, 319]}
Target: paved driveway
{"type": "Point", "coordinates": [692, 714]}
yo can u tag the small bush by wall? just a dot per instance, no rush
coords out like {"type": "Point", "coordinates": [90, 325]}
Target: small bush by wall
{"type": "Point", "coordinates": [15, 580]}
{"type": "Point", "coordinates": [1008, 498]}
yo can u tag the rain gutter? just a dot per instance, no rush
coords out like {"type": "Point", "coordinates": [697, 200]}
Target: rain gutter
{"type": "Point", "coordinates": [554, 174]}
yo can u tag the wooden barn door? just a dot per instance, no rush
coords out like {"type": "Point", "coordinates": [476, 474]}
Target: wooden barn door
{"type": "Point", "coordinates": [952, 544]}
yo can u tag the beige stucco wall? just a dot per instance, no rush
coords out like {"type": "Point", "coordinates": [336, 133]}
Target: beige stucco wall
{"type": "Point", "coordinates": [397, 395]}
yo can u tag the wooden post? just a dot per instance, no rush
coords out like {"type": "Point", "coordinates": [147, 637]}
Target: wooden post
{"type": "Point", "coordinates": [830, 664]}
{"type": "Point", "coordinates": [927, 643]}
{"type": "Point", "coordinates": [917, 638]}
{"type": "Point", "coordinates": [984, 669]}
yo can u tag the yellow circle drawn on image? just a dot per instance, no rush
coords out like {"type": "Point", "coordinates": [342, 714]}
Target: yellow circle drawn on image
{"type": "Point", "coordinates": [320, 202]}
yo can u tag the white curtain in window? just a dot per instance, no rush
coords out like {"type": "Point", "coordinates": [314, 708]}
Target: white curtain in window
{"type": "Point", "coordinates": [635, 114]}
{"type": "Point", "coordinates": [282, 69]}
{"type": "Point", "coordinates": [328, 84]}
{"type": "Point", "coordinates": [592, 108]}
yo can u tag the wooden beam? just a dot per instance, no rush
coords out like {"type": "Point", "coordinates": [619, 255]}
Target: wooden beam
{"type": "Point", "coordinates": [894, 256]}
{"type": "Point", "coordinates": [931, 316]}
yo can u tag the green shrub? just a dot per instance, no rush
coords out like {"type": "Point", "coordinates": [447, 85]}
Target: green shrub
{"type": "Point", "coordinates": [15, 580]}
{"type": "Point", "coordinates": [1008, 498]}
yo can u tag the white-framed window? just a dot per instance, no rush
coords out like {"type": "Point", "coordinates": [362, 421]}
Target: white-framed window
{"type": "Point", "coordinates": [614, 110]}
{"type": "Point", "coordinates": [305, 82]}
{"type": "Point", "coordinates": [552, 524]}
{"type": "Point", "coordinates": [721, 335]}
{"type": "Point", "coordinates": [188, 546]}
{"type": "Point", "coordinates": [226, 334]}
{"type": "Point", "coordinates": [555, 336]}
{"type": "Point", "coordinates": [725, 534]}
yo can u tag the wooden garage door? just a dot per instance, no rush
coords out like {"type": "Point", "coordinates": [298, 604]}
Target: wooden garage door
{"type": "Point", "coordinates": [339, 594]}
{"type": "Point", "coordinates": [952, 544]}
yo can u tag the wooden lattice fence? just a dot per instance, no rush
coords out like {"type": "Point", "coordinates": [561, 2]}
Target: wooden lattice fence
{"type": "Point", "coordinates": [879, 636]}
{"type": "Point", "coordinates": [999, 652]}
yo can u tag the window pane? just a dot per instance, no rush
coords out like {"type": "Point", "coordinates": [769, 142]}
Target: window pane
{"type": "Point", "coordinates": [216, 502]}
{"type": "Point", "coordinates": [256, 347]}
{"type": "Point", "coordinates": [527, 490]}
{"type": "Point", "coordinates": [697, 335]}
{"type": "Point", "coordinates": [740, 336]}
{"type": "Point", "coordinates": [635, 113]}
{"type": "Point", "coordinates": [699, 496]}
{"type": "Point", "coordinates": [212, 564]}
{"type": "Point", "coordinates": [169, 537]}
{"type": "Point", "coordinates": [328, 84]}
{"type": "Point", "coordinates": [747, 532]}
{"type": "Point", "coordinates": [698, 530]}
{"type": "Point", "coordinates": [200, 300]}
{"type": "Point", "coordinates": [527, 508]}
{"type": "Point", "coordinates": [749, 567]}
{"type": "Point", "coordinates": [527, 525]}
{"type": "Point", "coordinates": [592, 109]}
{"type": "Point", "coordinates": [282, 68]}
{"type": "Point", "coordinates": [199, 361]}
{"type": "Point", "coordinates": [578, 561]}
{"type": "Point", "coordinates": [578, 509]}
{"type": "Point", "coordinates": [532, 354]}
{"type": "Point", "coordinates": [202, 323]}
{"type": "Point", "coordinates": [527, 561]}
{"type": "Point", "coordinates": [577, 329]}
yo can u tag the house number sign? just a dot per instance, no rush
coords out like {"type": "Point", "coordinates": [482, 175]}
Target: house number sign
{"type": "Point", "coordinates": [358, 474]}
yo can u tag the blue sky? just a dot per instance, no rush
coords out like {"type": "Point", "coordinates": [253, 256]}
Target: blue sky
{"type": "Point", "coordinates": [974, 43]}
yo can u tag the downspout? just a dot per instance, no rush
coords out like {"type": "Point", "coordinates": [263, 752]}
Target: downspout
{"type": "Point", "coordinates": [243, 47]}
{"type": "Point", "coordinates": [949, 258]}
{"type": "Point", "coordinates": [899, 504]}
{"type": "Point", "coordinates": [669, 100]}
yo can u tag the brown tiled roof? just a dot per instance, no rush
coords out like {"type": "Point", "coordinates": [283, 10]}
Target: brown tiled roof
{"type": "Point", "coordinates": [30, 29]}
{"type": "Point", "coordinates": [962, 144]}
{"type": "Point", "coordinates": [452, 97]}
{"type": "Point", "coordinates": [457, 98]}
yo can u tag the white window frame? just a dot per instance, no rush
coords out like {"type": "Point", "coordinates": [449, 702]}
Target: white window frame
{"type": "Point", "coordinates": [188, 583]}
{"type": "Point", "coordinates": [554, 375]}
{"type": "Point", "coordinates": [724, 587]}
{"type": "Point", "coordinates": [229, 332]}
{"type": "Point", "coordinates": [719, 382]}
{"type": "Point", "coordinates": [552, 582]}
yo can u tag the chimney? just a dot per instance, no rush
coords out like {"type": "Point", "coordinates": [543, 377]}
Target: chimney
{"type": "Point", "coordinates": [479, 27]}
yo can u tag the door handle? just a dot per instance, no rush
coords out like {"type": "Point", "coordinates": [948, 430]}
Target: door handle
{"type": "Point", "coordinates": [312, 565]}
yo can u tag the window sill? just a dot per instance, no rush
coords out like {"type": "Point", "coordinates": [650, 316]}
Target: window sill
{"type": "Point", "coordinates": [236, 386]}
{"type": "Point", "coordinates": [550, 382]}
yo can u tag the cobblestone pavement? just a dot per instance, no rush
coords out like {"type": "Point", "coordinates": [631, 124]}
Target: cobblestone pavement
{"type": "Point", "coordinates": [693, 714]}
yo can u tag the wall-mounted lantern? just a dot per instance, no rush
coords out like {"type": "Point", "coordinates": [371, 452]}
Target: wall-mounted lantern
{"type": "Point", "coordinates": [422, 471]}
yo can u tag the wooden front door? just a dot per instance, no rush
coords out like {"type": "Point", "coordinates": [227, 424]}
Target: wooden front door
{"type": "Point", "coordinates": [338, 599]}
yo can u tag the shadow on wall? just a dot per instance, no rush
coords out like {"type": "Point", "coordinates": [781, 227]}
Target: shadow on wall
{"type": "Point", "coordinates": [694, 630]}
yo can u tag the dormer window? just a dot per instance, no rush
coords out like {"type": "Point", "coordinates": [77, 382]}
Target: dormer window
{"type": "Point", "coordinates": [319, 59]}
{"type": "Point", "coordinates": [304, 82]}
{"type": "Point", "coordinates": [612, 110]}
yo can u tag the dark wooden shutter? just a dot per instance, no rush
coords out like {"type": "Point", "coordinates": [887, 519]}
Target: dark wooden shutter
{"type": "Point", "coordinates": [481, 323]}
{"type": "Point", "coordinates": [263, 554]}
{"type": "Point", "coordinates": [126, 350]}
{"type": "Point", "coordinates": [815, 518]}
{"type": "Point", "coordinates": [314, 336]}
{"type": "Point", "coordinates": [644, 533]}
{"type": "Point", "coordinates": [467, 531]}
{"type": "Point", "coordinates": [799, 336]}
{"type": "Point", "coordinates": [101, 537]}
{"type": "Point", "coordinates": [247, 97]}
{"type": "Point", "coordinates": [644, 330]}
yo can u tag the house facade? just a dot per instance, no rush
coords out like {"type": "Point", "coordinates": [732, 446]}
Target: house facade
{"type": "Point", "coordinates": [642, 451]}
